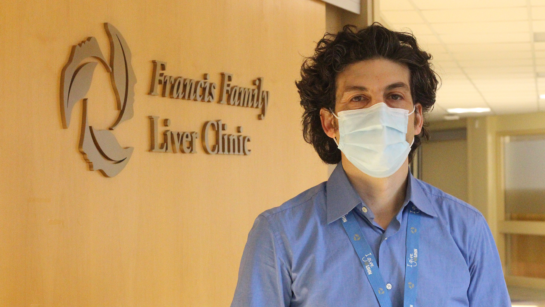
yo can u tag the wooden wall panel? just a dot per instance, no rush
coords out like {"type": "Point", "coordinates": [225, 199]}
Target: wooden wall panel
{"type": "Point", "coordinates": [169, 230]}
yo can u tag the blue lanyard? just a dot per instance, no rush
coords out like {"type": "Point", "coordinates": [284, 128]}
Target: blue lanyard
{"type": "Point", "coordinates": [369, 261]}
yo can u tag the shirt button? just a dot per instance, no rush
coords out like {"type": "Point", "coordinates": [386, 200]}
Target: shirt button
{"type": "Point", "coordinates": [389, 286]}
{"type": "Point", "coordinates": [364, 209]}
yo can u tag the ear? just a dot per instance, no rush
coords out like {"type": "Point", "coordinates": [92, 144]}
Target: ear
{"type": "Point", "coordinates": [329, 122]}
{"type": "Point", "coordinates": [418, 119]}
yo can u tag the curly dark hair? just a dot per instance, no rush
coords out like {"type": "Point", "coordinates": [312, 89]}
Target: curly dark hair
{"type": "Point", "coordinates": [334, 52]}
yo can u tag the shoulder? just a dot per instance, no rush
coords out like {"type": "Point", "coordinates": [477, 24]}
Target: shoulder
{"type": "Point", "coordinates": [464, 223]}
{"type": "Point", "coordinates": [307, 206]}
{"type": "Point", "coordinates": [448, 207]}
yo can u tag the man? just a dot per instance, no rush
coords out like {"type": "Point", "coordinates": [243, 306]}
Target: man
{"type": "Point", "coordinates": [372, 235]}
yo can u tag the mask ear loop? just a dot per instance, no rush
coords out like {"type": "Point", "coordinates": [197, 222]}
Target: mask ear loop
{"type": "Point", "coordinates": [414, 108]}
{"type": "Point", "coordinates": [334, 139]}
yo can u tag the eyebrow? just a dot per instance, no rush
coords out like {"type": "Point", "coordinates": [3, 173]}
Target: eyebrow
{"type": "Point", "coordinates": [355, 88]}
{"type": "Point", "coordinates": [388, 88]}
{"type": "Point", "coordinates": [397, 85]}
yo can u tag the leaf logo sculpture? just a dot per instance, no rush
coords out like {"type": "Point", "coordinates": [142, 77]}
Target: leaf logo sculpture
{"type": "Point", "coordinates": [100, 148]}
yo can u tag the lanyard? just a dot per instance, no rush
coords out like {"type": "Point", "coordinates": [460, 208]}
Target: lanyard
{"type": "Point", "coordinates": [369, 261]}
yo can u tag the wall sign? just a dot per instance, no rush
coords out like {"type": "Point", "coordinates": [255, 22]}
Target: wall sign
{"type": "Point", "coordinates": [203, 90]}
{"type": "Point", "coordinates": [101, 149]}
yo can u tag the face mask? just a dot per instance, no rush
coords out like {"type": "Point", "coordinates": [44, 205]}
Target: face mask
{"type": "Point", "coordinates": [374, 138]}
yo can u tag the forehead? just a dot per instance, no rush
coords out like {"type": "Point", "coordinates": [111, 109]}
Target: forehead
{"type": "Point", "coordinates": [373, 74]}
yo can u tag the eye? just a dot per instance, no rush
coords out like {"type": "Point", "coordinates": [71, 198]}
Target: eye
{"type": "Point", "coordinates": [396, 97]}
{"type": "Point", "coordinates": [357, 98]}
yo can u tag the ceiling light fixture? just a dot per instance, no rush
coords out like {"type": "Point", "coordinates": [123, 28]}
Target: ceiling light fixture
{"type": "Point", "coordinates": [451, 117]}
{"type": "Point", "coordinates": [542, 96]}
{"type": "Point", "coordinates": [468, 110]}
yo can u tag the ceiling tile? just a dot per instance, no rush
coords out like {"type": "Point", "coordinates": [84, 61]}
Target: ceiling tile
{"type": "Point", "coordinates": [453, 77]}
{"type": "Point", "coordinates": [540, 61]}
{"type": "Point", "coordinates": [497, 55]}
{"type": "Point", "coordinates": [539, 45]}
{"type": "Point", "coordinates": [443, 63]}
{"type": "Point", "coordinates": [540, 54]}
{"type": "Point", "coordinates": [403, 17]}
{"type": "Point", "coordinates": [460, 99]}
{"type": "Point", "coordinates": [490, 47]}
{"type": "Point", "coordinates": [453, 93]}
{"type": "Point", "coordinates": [416, 29]}
{"type": "Point", "coordinates": [540, 68]}
{"type": "Point", "coordinates": [541, 91]}
{"type": "Point", "coordinates": [493, 84]}
{"type": "Point", "coordinates": [537, 2]}
{"type": "Point", "coordinates": [541, 85]}
{"type": "Point", "coordinates": [483, 52]}
{"type": "Point", "coordinates": [449, 72]}
{"type": "Point", "coordinates": [526, 87]}
{"type": "Point", "coordinates": [485, 38]}
{"type": "Point", "coordinates": [427, 39]}
{"type": "Point", "coordinates": [475, 15]}
{"type": "Point", "coordinates": [438, 107]}
{"type": "Point", "coordinates": [538, 25]}
{"type": "Point", "coordinates": [523, 107]}
{"type": "Point", "coordinates": [498, 96]}
{"type": "Point", "coordinates": [441, 57]}
{"type": "Point", "coordinates": [456, 100]}
{"type": "Point", "coordinates": [533, 102]}
{"type": "Point", "coordinates": [538, 13]}
{"type": "Point", "coordinates": [487, 71]}
{"type": "Point", "coordinates": [458, 4]}
{"type": "Point", "coordinates": [482, 27]}
{"type": "Point", "coordinates": [464, 104]}
{"type": "Point", "coordinates": [501, 77]}
{"type": "Point", "coordinates": [432, 48]}
{"type": "Point", "coordinates": [495, 63]}
{"type": "Point", "coordinates": [395, 5]}
{"type": "Point", "coordinates": [456, 84]}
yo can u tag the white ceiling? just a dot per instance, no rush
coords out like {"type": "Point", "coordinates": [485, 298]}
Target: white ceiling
{"type": "Point", "coordinates": [483, 50]}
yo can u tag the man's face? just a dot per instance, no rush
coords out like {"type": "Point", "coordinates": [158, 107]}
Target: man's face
{"type": "Point", "coordinates": [366, 83]}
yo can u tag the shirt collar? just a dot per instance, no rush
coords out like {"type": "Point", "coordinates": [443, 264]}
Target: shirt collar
{"type": "Point", "coordinates": [417, 196]}
{"type": "Point", "coordinates": [342, 198]}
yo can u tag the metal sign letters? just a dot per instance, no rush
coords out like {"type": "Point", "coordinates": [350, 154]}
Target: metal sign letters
{"type": "Point", "coordinates": [101, 149]}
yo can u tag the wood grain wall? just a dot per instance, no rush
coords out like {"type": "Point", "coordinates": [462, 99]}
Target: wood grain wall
{"type": "Point", "coordinates": [169, 230]}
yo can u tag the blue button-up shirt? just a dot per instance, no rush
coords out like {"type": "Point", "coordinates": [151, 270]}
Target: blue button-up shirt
{"type": "Point", "coordinates": [299, 254]}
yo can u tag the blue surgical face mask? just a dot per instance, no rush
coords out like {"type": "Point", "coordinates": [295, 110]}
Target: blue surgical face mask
{"type": "Point", "coordinates": [374, 138]}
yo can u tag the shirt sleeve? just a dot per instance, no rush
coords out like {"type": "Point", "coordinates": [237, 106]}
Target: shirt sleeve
{"type": "Point", "coordinates": [263, 278]}
{"type": "Point", "coordinates": [487, 285]}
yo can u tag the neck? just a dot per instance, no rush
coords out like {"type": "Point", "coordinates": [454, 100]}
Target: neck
{"type": "Point", "coordinates": [384, 196]}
